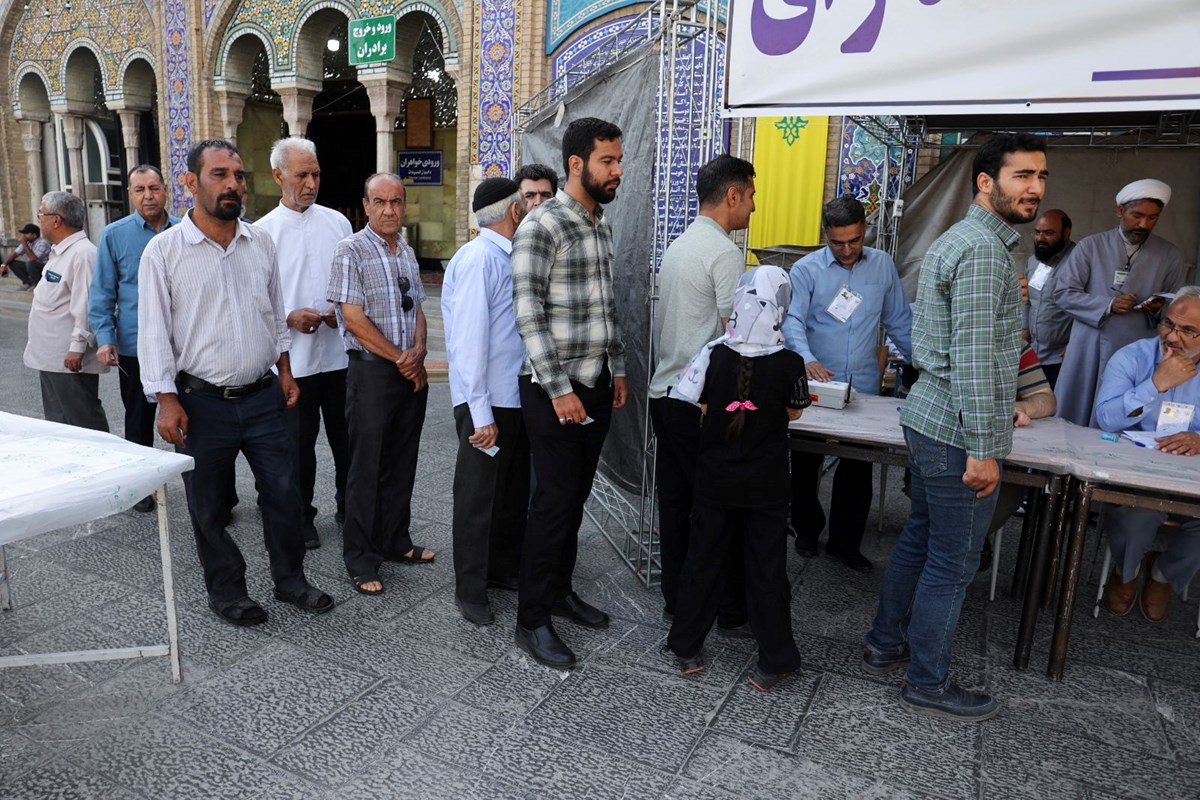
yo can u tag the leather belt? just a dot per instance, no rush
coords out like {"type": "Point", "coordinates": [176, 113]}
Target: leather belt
{"type": "Point", "coordinates": [363, 355]}
{"type": "Point", "coordinates": [224, 392]}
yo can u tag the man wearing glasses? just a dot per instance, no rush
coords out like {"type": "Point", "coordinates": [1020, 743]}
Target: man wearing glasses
{"type": "Point", "coordinates": [1152, 385]}
{"type": "Point", "coordinates": [377, 287]}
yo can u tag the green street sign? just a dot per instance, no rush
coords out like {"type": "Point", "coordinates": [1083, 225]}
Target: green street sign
{"type": "Point", "coordinates": [372, 39]}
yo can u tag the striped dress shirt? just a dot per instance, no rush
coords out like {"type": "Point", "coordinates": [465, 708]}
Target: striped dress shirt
{"type": "Point", "coordinates": [215, 313]}
{"type": "Point", "coordinates": [367, 273]}
{"type": "Point", "coordinates": [967, 338]}
{"type": "Point", "coordinates": [562, 266]}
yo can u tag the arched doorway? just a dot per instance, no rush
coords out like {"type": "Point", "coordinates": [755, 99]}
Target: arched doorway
{"type": "Point", "coordinates": [252, 116]}
{"type": "Point", "coordinates": [89, 143]}
{"type": "Point", "coordinates": [37, 138]}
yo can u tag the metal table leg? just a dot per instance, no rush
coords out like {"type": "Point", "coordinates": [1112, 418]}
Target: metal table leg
{"type": "Point", "coordinates": [1036, 507]}
{"type": "Point", "coordinates": [5, 594]}
{"type": "Point", "coordinates": [1045, 532]}
{"type": "Point", "coordinates": [164, 546]}
{"type": "Point", "coordinates": [1070, 583]}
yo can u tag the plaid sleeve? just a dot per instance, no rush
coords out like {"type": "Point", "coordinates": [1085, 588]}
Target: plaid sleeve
{"type": "Point", "coordinates": [533, 256]}
{"type": "Point", "coordinates": [344, 283]}
{"type": "Point", "coordinates": [975, 293]}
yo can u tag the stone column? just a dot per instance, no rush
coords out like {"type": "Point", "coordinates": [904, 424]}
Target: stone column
{"type": "Point", "coordinates": [31, 139]}
{"type": "Point", "coordinates": [386, 93]}
{"type": "Point", "coordinates": [297, 105]}
{"type": "Point", "coordinates": [73, 132]}
{"type": "Point", "coordinates": [231, 99]}
{"type": "Point", "coordinates": [131, 128]}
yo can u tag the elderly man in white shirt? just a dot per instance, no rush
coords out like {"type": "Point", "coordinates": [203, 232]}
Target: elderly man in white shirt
{"type": "Point", "coordinates": [491, 477]}
{"type": "Point", "coordinates": [305, 236]}
{"type": "Point", "coordinates": [210, 326]}
{"type": "Point", "coordinates": [61, 346]}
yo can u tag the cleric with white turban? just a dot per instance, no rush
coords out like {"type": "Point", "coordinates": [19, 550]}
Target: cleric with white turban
{"type": "Point", "coordinates": [1145, 189]}
{"type": "Point", "coordinates": [1108, 284]}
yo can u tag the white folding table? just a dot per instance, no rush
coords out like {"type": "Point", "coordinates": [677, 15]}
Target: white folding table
{"type": "Point", "coordinates": [59, 475]}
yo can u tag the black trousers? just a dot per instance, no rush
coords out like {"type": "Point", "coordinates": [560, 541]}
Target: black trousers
{"type": "Point", "coordinates": [139, 412]}
{"type": "Point", "coordinates": [218, 430]}
{"type": "Point", "coordinates": [850, 505]}
{"type": "Point", "coordinates": [677, 431]}
{"type": "Point", "coordinates": [322, 395]}
{"type": "Point", "coordinates": [565, 459]}
{"type": "Point", "coordinates": [73, 398]}
{"type": "Point", "coordinates": [1052, 371]}
{"type": "Point", "coordinates": [491, 501]}
{"type": "Point", "coordinates": [384, 416]}
{"type": "Point", "coordinates": [763, 533]}
{"type": "Point", "coordinates": [30, 272]}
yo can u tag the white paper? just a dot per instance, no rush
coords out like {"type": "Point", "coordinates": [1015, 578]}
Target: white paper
{"type": "Point", "coordinates": [1039, 277]}
{"type": "Point", "coordinates": [1142, 438]}
{"type": "Point", "coordinates": [844, 304]}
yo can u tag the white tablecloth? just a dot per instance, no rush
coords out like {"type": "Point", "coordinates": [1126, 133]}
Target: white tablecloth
{"type": "Point", "coordinates": [59, 475]}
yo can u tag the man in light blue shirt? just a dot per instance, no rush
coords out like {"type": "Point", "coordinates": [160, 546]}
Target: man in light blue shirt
{"type": "Point", "coordinates": [113, 306]}
{"type": "Point", "coordinates": [491, 476]}
{"type": "Point", "coordinates": [1152, 385]}
{"type": "Point", "coordinates": [840, 296]}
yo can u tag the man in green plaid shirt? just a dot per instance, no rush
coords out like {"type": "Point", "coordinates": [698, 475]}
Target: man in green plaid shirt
{"type": "Point", "coordinates": [957, 422]}
{"type": "Point", "coordinates": [573, 377]}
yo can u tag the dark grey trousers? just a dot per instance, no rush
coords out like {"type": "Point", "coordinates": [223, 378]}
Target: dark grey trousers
{"type": "Point", "coordinates": [73, 398]}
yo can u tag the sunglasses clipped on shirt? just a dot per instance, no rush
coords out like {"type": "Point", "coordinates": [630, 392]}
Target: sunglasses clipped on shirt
{"type": "Point", "coordinates": [406, 302]}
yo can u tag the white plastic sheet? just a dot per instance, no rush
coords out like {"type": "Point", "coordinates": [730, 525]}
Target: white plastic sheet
{"type": "Point", "coordinates": [59, 475]}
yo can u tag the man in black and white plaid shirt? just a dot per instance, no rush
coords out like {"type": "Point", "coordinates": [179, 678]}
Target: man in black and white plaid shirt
{"type": "Point", "coordinates": [573, 377]}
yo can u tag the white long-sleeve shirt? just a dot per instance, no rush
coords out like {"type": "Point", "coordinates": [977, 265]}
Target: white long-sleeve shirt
{"type": "Point", "coordinates": [215, 313]}
{"type": "Point", "coordinates": [482, 344]}
{"type": "Point", "coordinates": [304, 244]}
{"type": "Point", "coordinates": [58, 318]}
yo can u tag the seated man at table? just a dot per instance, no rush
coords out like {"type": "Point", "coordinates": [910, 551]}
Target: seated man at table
{"type": "Point", "coordinates": [1152, 385]}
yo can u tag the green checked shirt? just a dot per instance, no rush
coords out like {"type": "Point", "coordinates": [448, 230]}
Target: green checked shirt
{"type": "Point", "coordinates": [967, 338]}
{"type": "Point", "coordinates": [563, 296]}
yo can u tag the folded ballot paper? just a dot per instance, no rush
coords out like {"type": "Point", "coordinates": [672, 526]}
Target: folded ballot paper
{"type": "Point", "coordinates": [830, 394]}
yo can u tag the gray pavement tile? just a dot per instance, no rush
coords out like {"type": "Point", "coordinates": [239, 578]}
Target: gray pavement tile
{"type": "Point", "coordinates": [406, 774]}
{"type": "Point", "coordinates": [434, 484]}
{"type": "Point", "coordinates": [72, 601]}
{"type": "Point", "coordinates": [521, 754]}
{"type": "Point", "coordinates": [858, 726]}
{"type": "Point", "coordinates": [641, 647]}
{"type": "Point", "coordinates": [768, 718]}
{"type": "Point", "coordinates": [745, 770]}
{"type": "Point", "coordinates": [439, 620]}
{"type": "Point", "coordinates": [622, 594]}
{"type": "Point", "coordinates": [688, 789]}
{"type": "Point", "coordinates": [1178, 709]}
{"type": "Point", "coordinates": [133, 692]}
{"type": "Point", "coordinates": [1022, 761]}
{"type": "Point", "coordinates": [101, 558]}
{"type": "Point", "coordinates": [162, 757]}
{"type": "Point", "coordinates": [58, 781]}
{"type": "Point", "coordinates": [269, 699]}
{"type": "Point", "coordinates": [18, 754]}
{"type": "Point", "coordinates": [364, 731]}
{"type": "Point", "coordinates": [34, 577]}
{"type": "Point", "coordinates": [434, 510]}
{"type": "Point", "coordinates": [648, 718]}
{"type": "Point", "coordinates": [423, 666]}
{"type": "Point", "coordinates": [512, 686]}
{"type": "Point", "coordinates": [1108, 705]}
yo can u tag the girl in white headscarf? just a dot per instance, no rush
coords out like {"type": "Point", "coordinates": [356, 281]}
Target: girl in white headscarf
{"type": "Point", "coordinates": [750, 386]}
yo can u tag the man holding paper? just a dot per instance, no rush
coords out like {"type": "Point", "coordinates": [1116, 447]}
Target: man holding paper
{"type": "Point", "coordinates": [491, 475]}
{"type": "Point", "coordinates": [1152, 386]}
{"type": "Point", "coordinates": [1108, 284]}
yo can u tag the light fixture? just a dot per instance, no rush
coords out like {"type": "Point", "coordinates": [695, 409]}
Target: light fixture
{"type": "Point", "coordinates": [333, 45]}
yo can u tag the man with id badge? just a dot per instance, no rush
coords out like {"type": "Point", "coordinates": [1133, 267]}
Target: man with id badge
{"type": "Point", "coordinates": [1152, 385]}
{"type": "Point", "coordinates": [1048, 326]}
{"type": "Point", "coordinates": [840, 296]}
{"type": "Point", "coordinates": [1110, 285]}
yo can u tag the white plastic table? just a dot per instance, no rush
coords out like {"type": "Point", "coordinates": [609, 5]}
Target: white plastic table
{"type": "Point", "coordinates": [59, 475]}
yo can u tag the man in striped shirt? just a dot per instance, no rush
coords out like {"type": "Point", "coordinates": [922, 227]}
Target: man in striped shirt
{"type": "Point", "coordinates": [210, 326]}
{"type": "Point", "coordinates": [957, 423]}
{"type": "Point", "coordinates": [573, 377]}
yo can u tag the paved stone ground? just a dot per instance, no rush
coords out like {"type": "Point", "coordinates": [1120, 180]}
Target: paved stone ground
{"type": "Point", "coordinates": [397, 696]}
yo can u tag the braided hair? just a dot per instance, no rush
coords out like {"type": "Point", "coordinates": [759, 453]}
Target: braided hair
{"type": "Point", "coordinates": [745, 373]}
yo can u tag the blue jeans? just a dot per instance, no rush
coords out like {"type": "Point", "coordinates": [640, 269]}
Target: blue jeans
{"type": "Point", "coordinates": [933, 562]}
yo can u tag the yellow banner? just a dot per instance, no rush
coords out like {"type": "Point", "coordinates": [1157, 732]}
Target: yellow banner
{"type": "Point", "coordinates": [789, 164]}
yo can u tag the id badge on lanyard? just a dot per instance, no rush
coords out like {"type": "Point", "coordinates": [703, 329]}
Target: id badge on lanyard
{"type": "Point", "coordinates": [844, 304]}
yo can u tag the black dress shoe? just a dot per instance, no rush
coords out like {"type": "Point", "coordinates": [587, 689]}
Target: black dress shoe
{"type": "Point", "coordinates": [475, 613]}
{"type": "Point", "coordinates": [806, 547]}
{"type": "Point", "coordinates": [543, 646]}
{"type": "Point", "coordinates": [242, 612]}
{"type": "Point", "coordinates": [852, 559]}
{"type": "Point", "coordinates": [505, 583]}
{"type": "Point", "coordinates": [574, 608]}
{"type": "Point", "coordinates": [145, 505]}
